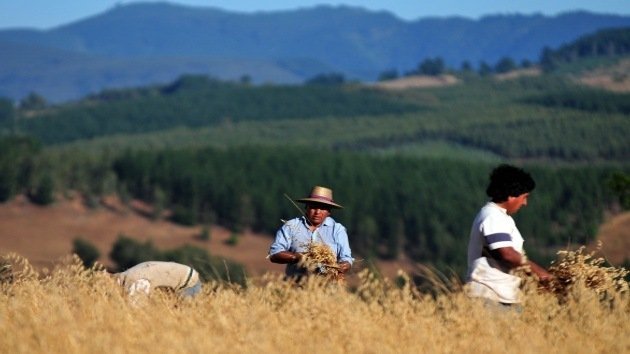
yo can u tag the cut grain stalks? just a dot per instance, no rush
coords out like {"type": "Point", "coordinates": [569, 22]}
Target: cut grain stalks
{"type": "Point", "coordinates": [319, 259]}
{"type": "Point", "coordinates": [580, 269]}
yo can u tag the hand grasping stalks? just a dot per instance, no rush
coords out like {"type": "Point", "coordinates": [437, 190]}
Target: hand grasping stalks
{"type": "Point", "coordinates": [319, 259]}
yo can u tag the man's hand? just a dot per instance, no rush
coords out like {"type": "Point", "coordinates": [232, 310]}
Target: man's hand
{"type": "Point", "coordinates": [344, 267]}
{"type": "Point", "coordinates": [512, 259]}
{"type": "Point", "coordinates": [544, 277]}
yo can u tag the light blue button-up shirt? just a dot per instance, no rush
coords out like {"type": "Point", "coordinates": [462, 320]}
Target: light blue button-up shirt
{"type": "Point", "coordinates": [295, 236]}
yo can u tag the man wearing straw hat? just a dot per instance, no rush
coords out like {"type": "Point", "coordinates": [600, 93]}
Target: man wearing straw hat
{"type": "Point", "coordinates": [315, 226]}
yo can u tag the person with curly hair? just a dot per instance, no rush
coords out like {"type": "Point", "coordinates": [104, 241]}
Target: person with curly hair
{"type": "Point", "coordinates": [495, 248]}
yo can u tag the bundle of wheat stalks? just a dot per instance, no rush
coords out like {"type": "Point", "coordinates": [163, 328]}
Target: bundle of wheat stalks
{"type": "Point", "coordinates": [320, 259]}
{"type": "Point", "coordinates": [579, 267]}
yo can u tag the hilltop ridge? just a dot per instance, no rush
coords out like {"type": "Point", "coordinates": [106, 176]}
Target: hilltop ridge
{"type": "Point", "coordinates": [149, 43]}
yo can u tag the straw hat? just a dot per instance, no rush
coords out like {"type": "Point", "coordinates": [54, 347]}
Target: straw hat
{"type": "Point", "coordinates": [320, 195]}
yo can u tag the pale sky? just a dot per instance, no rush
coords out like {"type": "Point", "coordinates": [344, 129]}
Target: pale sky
{"type": "Point", "coordinates": [45, 14]}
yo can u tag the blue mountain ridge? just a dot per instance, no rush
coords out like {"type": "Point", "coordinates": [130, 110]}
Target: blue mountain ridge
{"type": "Point", "coordinates": [150, 43]}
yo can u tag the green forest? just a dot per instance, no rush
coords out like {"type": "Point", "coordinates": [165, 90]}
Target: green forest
{"type": "Point", "coordinates": [410, 166]}
{"type": "Point", "coordinates": [609, 43]}
{"type": "Point", "coordinates": [529, 118]}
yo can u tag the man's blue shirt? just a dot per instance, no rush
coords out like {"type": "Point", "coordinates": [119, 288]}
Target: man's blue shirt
{"type": "Point", "coordinates": [295, 236]}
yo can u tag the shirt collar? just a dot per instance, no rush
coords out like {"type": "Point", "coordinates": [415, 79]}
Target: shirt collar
{"type": "Point", "coordinates": [503, 210]}
{"type": "Point", "coordinates": [325, 223]}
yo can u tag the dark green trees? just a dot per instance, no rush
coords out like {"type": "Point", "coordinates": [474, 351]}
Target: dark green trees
{"type": "Point", "coordinates": [86, 251]}
{"type": "Point", "coordinates": [17, 159]}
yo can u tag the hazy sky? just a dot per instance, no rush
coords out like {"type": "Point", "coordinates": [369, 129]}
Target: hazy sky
{"type": "Point", "coordinates": [44, 14]}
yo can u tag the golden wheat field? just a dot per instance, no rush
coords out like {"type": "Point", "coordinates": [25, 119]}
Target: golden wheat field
{"type": "Point", "coordinates": [71, 309]}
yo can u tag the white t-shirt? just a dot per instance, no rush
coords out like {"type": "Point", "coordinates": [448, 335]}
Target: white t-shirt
{"type": "Point", "coordinates": [492, 229]}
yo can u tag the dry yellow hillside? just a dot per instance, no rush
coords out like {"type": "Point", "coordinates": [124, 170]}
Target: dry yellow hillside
{"type": "Point", "coordinates": [418, 81]}
{"type": "Point", "coordinates": [614, 78]}
{"type": "Point", "coordinates": [615, 237]}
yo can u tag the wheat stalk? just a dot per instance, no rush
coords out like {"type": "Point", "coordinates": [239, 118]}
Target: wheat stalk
{"type": "Point", "coordinates": [319, 259]}
{"type": "Point", "coordinates": [579, 267]}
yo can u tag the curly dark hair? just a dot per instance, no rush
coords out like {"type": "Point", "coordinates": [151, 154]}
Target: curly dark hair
{"type": "Point", "coordinates": [509, 181]}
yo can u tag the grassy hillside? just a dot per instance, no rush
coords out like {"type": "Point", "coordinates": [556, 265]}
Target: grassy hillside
{"type": "Point", "coordinates": [545, 118]}
{"type": "Point", "coordinates": [196, 101]}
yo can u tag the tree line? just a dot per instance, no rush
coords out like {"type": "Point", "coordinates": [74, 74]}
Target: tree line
{"type": "Point", "coordinates": [607, 43]}
{"type": "Point", "coordinates": [435, 66]}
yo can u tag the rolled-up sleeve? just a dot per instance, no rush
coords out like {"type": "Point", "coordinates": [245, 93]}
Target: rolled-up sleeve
{"type": "Point", "coordinates": [282, 241]}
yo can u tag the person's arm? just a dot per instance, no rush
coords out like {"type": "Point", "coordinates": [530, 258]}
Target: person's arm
{"type": "Point", "coordinates": [279, 251]}
{"type": "Point", "coordinates": [345, 254]}
{"type": "Point", "coordinates": [513, 259]}
{"type": "Point", "coordinates": [344, 267]}
{"type": "Point", "coordinates": [285, 257]}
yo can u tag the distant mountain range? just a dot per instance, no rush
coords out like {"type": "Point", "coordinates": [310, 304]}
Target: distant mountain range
{"type": "Point", "coordinates": [150, 43]}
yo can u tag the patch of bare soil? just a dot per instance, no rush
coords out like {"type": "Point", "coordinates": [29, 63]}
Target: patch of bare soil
{"type": "Point", "coordinates": [615, 78]}
{"type": "Point", "coordinates": [514, 74]}
{"type": "Point", "coordinates": [419, 81]}
{"type": "Point", "coordinates": [615, 237]}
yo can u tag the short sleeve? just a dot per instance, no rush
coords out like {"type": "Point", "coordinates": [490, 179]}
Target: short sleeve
{"type": "Point", "coordinates": [497, 232]}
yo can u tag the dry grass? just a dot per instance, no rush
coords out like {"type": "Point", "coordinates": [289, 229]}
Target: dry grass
{"type": "Point", "coordinates": [586, 270]}
{"type": "Point", "coordinates": [614, 237]}
{"type": "Point", "coordinates": [515, 74]}
{"type": "Point", "coordinates": [614, 78]}
{"type": "Point", "coordinates": [70, 309]}
{"type": "Point", "coordinates": [418, 81]}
